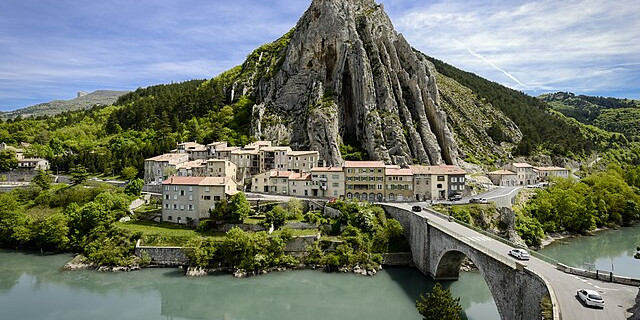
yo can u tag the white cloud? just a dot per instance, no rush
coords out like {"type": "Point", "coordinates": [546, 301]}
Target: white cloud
{"type": "Point", "coordinates": [548, 45]}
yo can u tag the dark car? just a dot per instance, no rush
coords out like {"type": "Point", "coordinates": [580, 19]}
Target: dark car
{"type": "Point", "coordinates": [416, 209]}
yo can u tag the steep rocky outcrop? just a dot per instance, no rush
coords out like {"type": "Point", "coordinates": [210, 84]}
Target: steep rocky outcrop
{"type": "Point", "coordinates": [344, 75]}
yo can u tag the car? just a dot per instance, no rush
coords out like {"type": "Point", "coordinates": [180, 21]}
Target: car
{"type": "Point", "coordinates": [478, 200]}
{"type": "Point", "coordinates": [591, 298]}
{"type": "Point", "coordinates": [455, 197]}
{"type": "Point", "coordinates": [416, 209]}
{"type": "Point", "coordinates": [519, 254]}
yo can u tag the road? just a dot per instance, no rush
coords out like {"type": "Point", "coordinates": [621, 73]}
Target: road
{"type": "Point", "coordinates": [618, 298]}
{"type": "Point", "coordinates": [502, 196]}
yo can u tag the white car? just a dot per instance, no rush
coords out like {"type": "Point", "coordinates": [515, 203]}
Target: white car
{"type": "Point", "coordinates": [591, 298]}
{"type": "Point", "coordinates": [519, 254]}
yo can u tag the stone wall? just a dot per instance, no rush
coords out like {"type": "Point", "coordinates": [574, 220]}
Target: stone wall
{"type": "Point", "coordinates": [20, 175]}
{"type": "Point", "coordinates": [164, 256]}
{"type": "Point", "coordinates": [299, 244]}
{"type": "Point", "coordinates": [602, 275]}
{"type": "Point", "coordinates": [397, 259]}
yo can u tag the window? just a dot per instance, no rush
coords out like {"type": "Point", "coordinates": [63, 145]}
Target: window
{"type": "Point", "coordinates": [175, 188]}
{"type": "Point", "coordinates": [335, 193]}
{"type": "Point", "coordinates": [453, 188]}
{"type": "Point", "coordinates": [166, 188]}
{"type": "Point", "coordinates": [216, 198]}
{"type": "Point", "coordinates": [182, 207]}
{"type": "Point", "coordinates": [335, 177]}
{"type": "Point", "coordinates": [190, 197]}
{"type": "Point", "coordinates": [206, 198]}
{"type": "Point", "coordinates": [440, 178]}
{"type": "Point", "coordinates": [190, 207]}
{"type": "Point", "coordinates": [190, 189]}
{"type": "Point", "coordinates": [169, 218]}
{"type": "Point", "coordinates": [206, 189]}
{"type": "Point", "coordinates": [166, 206]}
{"type": "Point", "coordinates": [335, 184]}
{"type": "Point", "coordinates": [439, 186]}
{"type": "Point", "coordinates": [175, 206]}
{"type": "Point", "coordinates": [182, 192]}
{"type": "Point", "coordinates": [166, 197]}
{"type": "Point", "coordinates": [175, 197]}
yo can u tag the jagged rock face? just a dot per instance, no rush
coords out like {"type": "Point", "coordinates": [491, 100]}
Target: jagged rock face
{"type": "Point", "coordinates": [347, 76]}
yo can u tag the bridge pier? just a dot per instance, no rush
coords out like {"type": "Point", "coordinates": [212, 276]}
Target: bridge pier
{"type": "Point", "coordinates": [438, 253]}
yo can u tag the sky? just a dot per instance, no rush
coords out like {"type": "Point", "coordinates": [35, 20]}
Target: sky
{"type": "Point", "coordinates": [50, 49]}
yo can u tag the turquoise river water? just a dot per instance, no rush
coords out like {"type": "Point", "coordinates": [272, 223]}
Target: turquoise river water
{"type": "Point", "coordinates": [33, 287]}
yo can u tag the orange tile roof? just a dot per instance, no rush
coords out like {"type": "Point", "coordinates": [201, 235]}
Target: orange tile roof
{"type": "Point", "coordinates": [300, 176]}
{"type": "Point", "coordinates": [522, 165]}
{"type": "Point", "coordinates": [441, 169]}
{"type": "Point", "coordinates": [551, 169]}
{"type": "Point", "coordinates": [364, 164]}
{"type": "Point", "coordinates": [169, 157]}
{"type": "Point", "coordinates": [302, 153]}
{"type": "Point", "coordinates": [399, 172]}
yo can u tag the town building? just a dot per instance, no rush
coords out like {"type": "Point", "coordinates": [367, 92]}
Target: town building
{"type": "Point", "coordinates": [328, 182]}
{"type": "Point", "coordinates": [195, 150]}
{"type": "Point", "coordinates": [274, 158]}
{"type": "Point", "coordinates": [195, 168]}
{"type": "Point", "coordinates": [364, 180]}
{"type": "Point", "coordinates": [158, 169]}
{"type": "Point", "coordinates": [212, 149]}
{"type": "Point", "coordinates": [247, 162]}
{"type": "Point", "coordinates": [503, 178]}
{"type": "Point", "coordinates": [399, 184]}
{"type": "Point", "coordinates": [300, 184]}
{"type": "Point", "coordinates": [221, 168]}
{"type": "Point", "coordinates": [272, 182]}
{"type": "Point", "coordinates": [437, 182]}
{"type": "Point", "coordinates": [33, 164]}
{"type": "Point", "coordinates": [186, 200]}
{"type": "Point", "coordinates": [524, 172]}
{"type": "Point", "coordinates": [302, 161]}
{"type": "Point", "coordinates": [546, 173]}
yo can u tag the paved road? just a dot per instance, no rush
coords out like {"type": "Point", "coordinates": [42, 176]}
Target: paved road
{"type": "Point", "coordinates": [502, 196]}
{"type": "Point", "coordinates": [618, 298]}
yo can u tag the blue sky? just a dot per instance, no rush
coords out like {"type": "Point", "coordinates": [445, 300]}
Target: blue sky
{"type": "Point", "coordinates": [49, 49]}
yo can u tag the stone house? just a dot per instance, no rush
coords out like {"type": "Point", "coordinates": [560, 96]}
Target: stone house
{"type": "Point", "coordinates": [159, 168]}
{"type": "Point", "coordinates": [274, 158]}
{"type": "Point", "coordinates": [302, 161]}
{"type": "Point", "coordinates": [545, 173]}
{"type": "Point", "coordinates": [328, 182]}
{"type": "Point", "coordinates": [221, 168]}
{"type": "Point", "coordinates": [186, 200]}
{"type": "Point", "coordinates": [300, 184]}
{"type": "Point", "coordinates": [364, 180]}
{"type": "Point", "coordinates": [399, 184]}
{"type": "Point", "coordinates": [437, 182]}
{"type": "Point", "coordinates": [503, 178]}
{"type": "Point", "coordinates": [195, 150]}
{"type": "Point", "coordinates": [524, 173]}
{"type": "Point", "coordinates": [33, 164]}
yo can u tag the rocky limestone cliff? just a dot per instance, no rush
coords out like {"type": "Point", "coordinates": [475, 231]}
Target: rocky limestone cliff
{"type": "Point", "coordinates": [344, 75]}
{"type": "Point", "coordinates": [348, 77]}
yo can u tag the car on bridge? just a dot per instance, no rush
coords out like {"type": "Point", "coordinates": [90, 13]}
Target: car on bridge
{"type": "Point", "coordinates": [591, 298]}
{"type": "Point", "coordinates": [519, 254]}
{"type": "Point", "coordinates": [416, 209]}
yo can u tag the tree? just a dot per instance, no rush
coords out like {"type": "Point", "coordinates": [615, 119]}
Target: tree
{"type": "Point", "coordinates": [239, 208]}
{"type": "Point", "coordinates": [8, 160]}
{"type": "Point", "coordinates": [439, 305]}
{"type": "Point", "coordinates": [42, 180]}
{"type": "Point", "coordinates": [129, 173]}
{"type": "Point", "coordinates": [134, 188]}
{"type": "Point", "coordinates": [79, 175]}
{"type": "Point", "coordinates": [276, 216]}
{"type": "Point", "coordinates": [295, 209]}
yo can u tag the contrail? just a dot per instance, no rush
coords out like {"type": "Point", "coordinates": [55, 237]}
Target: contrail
{"type": "Point", "coordinates": [479, 56]}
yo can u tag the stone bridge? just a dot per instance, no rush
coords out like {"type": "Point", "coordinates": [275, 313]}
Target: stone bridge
{"type": "Point", "coordinates": [439, 251]}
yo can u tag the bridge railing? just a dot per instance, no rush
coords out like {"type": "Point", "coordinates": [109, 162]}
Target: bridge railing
{"type": "Point", "coordinates": [536, 254]}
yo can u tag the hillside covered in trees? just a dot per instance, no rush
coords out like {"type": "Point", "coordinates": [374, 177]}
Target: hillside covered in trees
{"type": "Point", "coordinates": [611, 114]}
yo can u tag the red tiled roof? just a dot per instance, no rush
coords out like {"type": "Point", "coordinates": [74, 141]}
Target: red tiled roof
{"type": "Point", "coordinates": [522, 165]}
{"type": "Point", "coordinates": [326, 169]}
{"type": "Point", "coordinates": [197, 181]}
{"type": "Point", "coordinates": [442, 169]}
{"type": "Point", "coordinates": [399, 172]}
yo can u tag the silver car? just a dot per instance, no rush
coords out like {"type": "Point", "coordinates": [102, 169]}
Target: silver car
{"type": "Point", "coordinates": [591, 298]}
{"type": "Point", "coordinates": [519, 254]}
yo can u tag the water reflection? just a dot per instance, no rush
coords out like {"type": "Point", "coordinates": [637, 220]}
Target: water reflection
{"type": "Point", "coordinates": [167, 293]}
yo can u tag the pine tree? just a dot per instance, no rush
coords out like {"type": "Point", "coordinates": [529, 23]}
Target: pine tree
{"type": "Point", "coordinates": [439, 305]}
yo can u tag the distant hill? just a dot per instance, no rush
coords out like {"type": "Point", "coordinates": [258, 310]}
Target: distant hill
{"type": "Point", "coordinates": [83, 101]}
{"type": "Point", "coordinates": [611, 114]}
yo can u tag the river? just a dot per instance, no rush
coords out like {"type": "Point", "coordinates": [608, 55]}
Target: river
{"type": "Point", "coordinates": [33, 287]}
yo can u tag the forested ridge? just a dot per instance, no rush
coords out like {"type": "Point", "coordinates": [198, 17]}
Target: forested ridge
{"type": "Point", "coordinates": [543, 130]}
